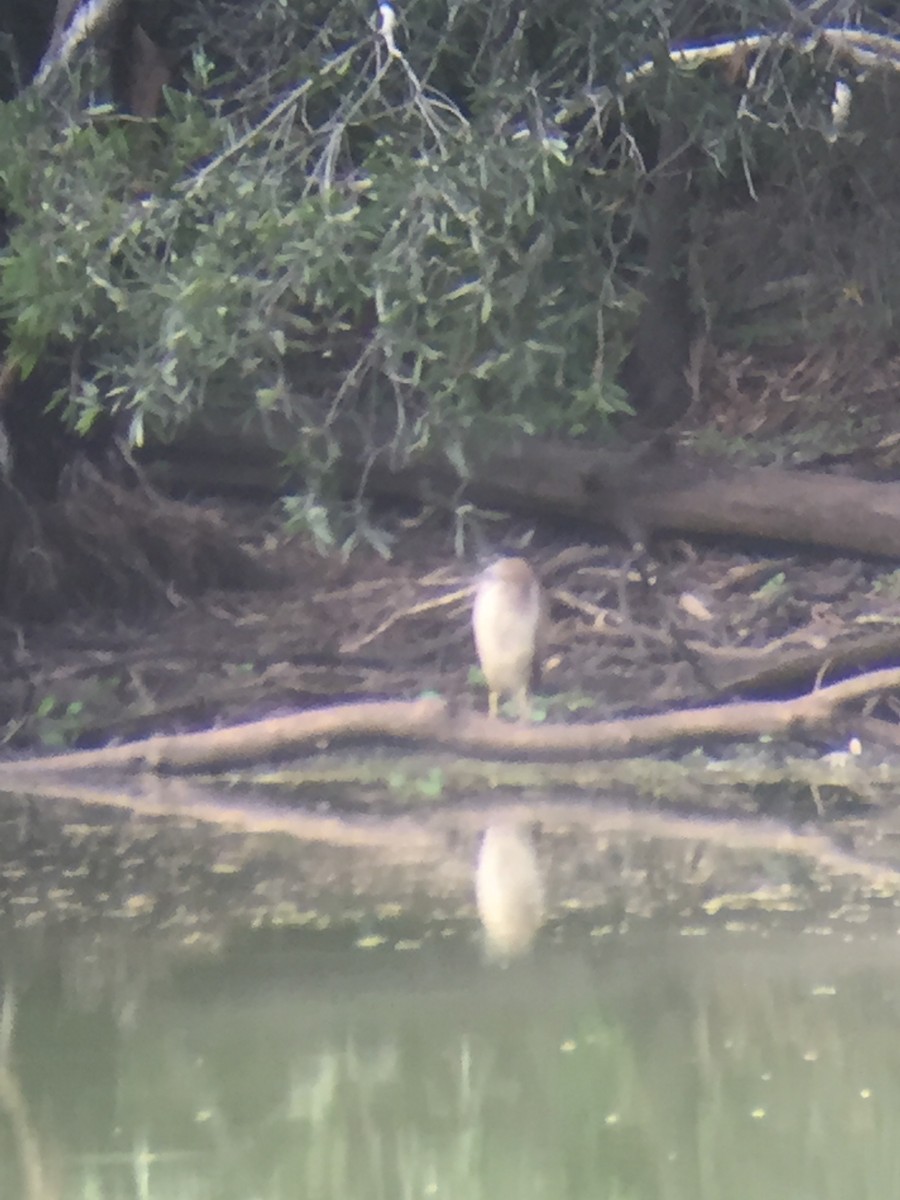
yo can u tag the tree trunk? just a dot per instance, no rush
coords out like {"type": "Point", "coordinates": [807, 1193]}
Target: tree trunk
{"type": "Point", "coordinates": [634, 493]}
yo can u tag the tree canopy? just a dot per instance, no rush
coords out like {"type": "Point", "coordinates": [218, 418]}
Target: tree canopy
{"type": "Point", "coordinates": [432, 220]}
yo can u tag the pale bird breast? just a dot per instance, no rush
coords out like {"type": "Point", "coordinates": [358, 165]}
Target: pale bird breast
{"type": "Point", "coordinates": [509, 598]}
{"type": "Point", "coordinates": [496, 605]}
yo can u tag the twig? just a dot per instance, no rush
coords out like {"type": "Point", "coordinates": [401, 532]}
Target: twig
{"type": "Point", "coordinates": [354, 644]}
{"type": "Point", "coordinates": [88, 17]}
{"type": "Point", "coordinates": [189, 187]}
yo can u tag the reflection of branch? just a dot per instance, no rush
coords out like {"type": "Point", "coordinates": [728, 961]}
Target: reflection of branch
{"type": "Point", "coordinates": [12, 1103]}
{"type": "Point", "coordinates": [7, 1022]}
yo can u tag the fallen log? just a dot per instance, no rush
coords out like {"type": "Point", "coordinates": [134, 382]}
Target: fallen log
{"type": "Point", "coordinates": [638, 492]}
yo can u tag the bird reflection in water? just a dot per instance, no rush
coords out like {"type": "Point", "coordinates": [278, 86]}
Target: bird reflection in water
{"type": "Point", "coordinates": [509, 890]}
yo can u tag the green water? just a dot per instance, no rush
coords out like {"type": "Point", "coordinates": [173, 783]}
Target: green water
{"type": "Point", "coordinates": [647, 1064]}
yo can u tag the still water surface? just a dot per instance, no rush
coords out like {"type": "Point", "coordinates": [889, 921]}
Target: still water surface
{"type": "Point", "coordinates": [649, 1064]}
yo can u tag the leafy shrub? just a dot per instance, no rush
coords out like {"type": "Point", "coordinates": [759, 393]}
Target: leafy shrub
{"type": "Point", "coordinates": [318, 228]}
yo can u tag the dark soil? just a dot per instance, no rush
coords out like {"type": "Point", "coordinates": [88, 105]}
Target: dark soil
{"type": "Point", "coordinates": [679, 628]}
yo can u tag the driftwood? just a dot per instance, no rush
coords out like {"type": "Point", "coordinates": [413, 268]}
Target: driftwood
{"type": "Point", "coordinates": [428, 721]}
{"type": "Point", "coordinates": [785, 666]}
{"type": "Point", "coordinates": [638, 492]}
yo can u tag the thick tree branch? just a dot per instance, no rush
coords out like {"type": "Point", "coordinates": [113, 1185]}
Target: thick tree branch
{"type": "Point", "coordinates": [428, 721]}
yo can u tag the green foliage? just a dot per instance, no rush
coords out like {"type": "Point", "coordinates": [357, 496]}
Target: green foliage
{"type": "Point", "coordinates": [332, 527]}
{"type": "Point", "coordinates": [319, 231]}
{"type": "Point", "coordinates": [396, 256]}
{"type": "Point", "coordinates": [57, 720]}
{"type": "Point", "coordinates": [773, 589]}
{"type": "Point", "coordinates": [887, 586]}
{"type": "Point", "coordinates": [417, 786]}
{"type": "Point", "coordinates": [57, 724]}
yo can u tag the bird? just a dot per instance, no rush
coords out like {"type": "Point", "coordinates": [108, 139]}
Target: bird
{"type": "Point", "coordinates": [509, 890]}
{"type": "Point", "coordinates": [507, 620]}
